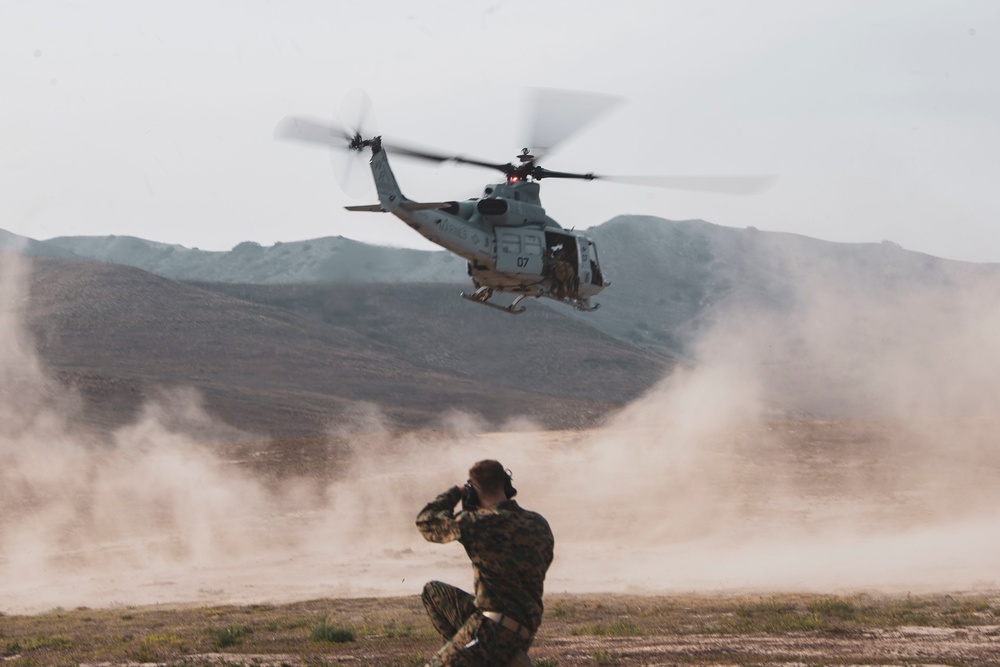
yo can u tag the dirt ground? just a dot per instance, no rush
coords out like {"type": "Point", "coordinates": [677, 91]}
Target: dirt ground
{"type": "Point", "coordinates": [592, 630]}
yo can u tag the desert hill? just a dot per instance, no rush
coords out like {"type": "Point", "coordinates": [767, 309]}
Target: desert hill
{"type": "Point", "coordinates": [332, 259]}
{"type": "Point", "coordinates": [670, 279]}
{"type": "Point", "coordinates": [288, 360]}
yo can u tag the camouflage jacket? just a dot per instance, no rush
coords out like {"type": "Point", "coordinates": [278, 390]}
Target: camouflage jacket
{"type": "Point", "coordinates": [510, 549]}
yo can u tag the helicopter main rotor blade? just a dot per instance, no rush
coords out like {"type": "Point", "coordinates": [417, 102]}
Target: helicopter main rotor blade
{"type": "Point", "coordinates": [732, 185]}
{"type": "Point", "coordinates": [423, 154]}
{"type": "Point", "coordinates": [331, 135]}
{"type": "Point", "coordinates": [554, 115]}
{"type": "Point", "coordinates": [539, 173]}
{"type": "Point", "coordinates": [299, 128]}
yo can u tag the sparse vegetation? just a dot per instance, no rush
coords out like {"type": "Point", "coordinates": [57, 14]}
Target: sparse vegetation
{"type": "Point", "coordinates": [232, 635]}
{"type": "Point", "coordinates": [835, 607]}
{"type": "Point", "coordinates": [561, 610]}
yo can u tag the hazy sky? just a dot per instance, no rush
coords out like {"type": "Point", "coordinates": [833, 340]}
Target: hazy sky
{"type": "Point", "coordinates": [155, 119]}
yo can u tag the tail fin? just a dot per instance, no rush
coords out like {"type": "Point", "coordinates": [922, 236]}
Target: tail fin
{"type": "Point", "coordinates": [389, 193]}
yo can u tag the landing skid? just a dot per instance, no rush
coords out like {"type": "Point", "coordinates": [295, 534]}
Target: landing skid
{"type": "Point", "coordinates": [482, 297]}
{"type": "Point", "coordinates": [584, 307]}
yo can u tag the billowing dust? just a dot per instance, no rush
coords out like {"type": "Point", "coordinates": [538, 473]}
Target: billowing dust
{"type": "Point", "coordinates": [847, 445]}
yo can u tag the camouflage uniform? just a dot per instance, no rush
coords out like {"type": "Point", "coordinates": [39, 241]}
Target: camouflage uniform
{"type": "Point", "coordinates": [510, 549]}
{"type": "Point", "coordinates": [562, 279]}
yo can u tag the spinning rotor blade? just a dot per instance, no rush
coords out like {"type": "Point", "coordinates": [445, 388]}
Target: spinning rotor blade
{"type": "Point", "coordinates": [357, 114]}
{"type": "Point", "coordinates": [732, 185]}
{"type": "Point", "coordinates": [541, 172]}
{"type": "Point", "coordinates": [299, 128]}
{"type": "Point", "coordinates": [332, 135]}
{"type": "Point", "coordinates": [423, 154]}
{"type": "Point", "coordinates": [554, 115]}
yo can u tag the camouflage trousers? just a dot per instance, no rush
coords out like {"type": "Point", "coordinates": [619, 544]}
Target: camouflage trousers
{"type": "Point", "coordinates": [470, 639]}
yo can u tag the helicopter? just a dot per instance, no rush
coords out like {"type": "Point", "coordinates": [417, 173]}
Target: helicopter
{"type": "Point", "coordinates": [510, 243]}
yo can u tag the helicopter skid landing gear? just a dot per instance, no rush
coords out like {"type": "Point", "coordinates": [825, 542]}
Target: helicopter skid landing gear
{"type": "Point", "coordinates": [585, 307]}
{"type": "Point", "coordinates": [483, 294]}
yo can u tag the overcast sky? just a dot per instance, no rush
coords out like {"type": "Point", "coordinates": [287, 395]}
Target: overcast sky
{"type": "Point", "coordinates": [881, 119]}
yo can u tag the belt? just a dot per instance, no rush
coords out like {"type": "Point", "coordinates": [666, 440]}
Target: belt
{"type": "Point", "coordinates": [521, 631]}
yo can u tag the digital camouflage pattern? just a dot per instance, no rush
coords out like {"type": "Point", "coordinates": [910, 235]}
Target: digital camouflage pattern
{"type": "Point", "coordinates": [511, 550]}
{"type": "Point", "coordinates": [470, 638]}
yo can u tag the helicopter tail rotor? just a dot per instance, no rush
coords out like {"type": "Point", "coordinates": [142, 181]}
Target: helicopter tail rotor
{"type": "Point", "coordinates": [351, 169]}
{"type": "Point", "coordinates": [349, 137]}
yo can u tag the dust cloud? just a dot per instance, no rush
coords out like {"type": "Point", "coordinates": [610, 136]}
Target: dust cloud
{"type": "Point", "coordinates": [846, 443]}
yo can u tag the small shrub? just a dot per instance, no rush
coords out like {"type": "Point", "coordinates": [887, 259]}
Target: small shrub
{"type": "Point", "coordinates": [232, 635]}
{"type": "Point", "coordinates": [327, 633]}
{"type": "Point", "coordinates": [546, 662]}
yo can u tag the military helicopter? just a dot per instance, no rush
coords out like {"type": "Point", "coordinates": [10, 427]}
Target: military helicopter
{"type": "Point", "coordinates": [510, 243]}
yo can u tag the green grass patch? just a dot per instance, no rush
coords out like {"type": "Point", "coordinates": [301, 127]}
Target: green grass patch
{"type": "Point", "coordinates": [834, 607]}
{"type": "Point", "coordinates": [157, 646]}
{"type": "Point", "coordinates": [328, 633]}
{"type": "Point", "coordinates": [36, 643]}
{"type": "Point", "coordinates": [772, 616]}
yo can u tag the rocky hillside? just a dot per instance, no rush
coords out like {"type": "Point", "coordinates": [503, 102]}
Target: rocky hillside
{"type": "Point", "coordinates": [327, 260]}
{"type": "Point", "coordinates": [292, 359]}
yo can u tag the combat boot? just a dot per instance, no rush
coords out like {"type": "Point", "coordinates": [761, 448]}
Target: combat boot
{"type": "Point", "coordinates": [520, 659]}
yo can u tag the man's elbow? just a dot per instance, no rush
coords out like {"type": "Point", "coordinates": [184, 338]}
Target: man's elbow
{"type": "Point", "coordinates": [433, 531]}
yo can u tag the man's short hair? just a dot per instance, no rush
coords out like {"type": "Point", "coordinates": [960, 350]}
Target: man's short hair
{"type": "Point", "coordinates": [488, 476]}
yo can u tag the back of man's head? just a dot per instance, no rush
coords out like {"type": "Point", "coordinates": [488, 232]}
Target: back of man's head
{"type": "Point", "coordinates": [488, 476]}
